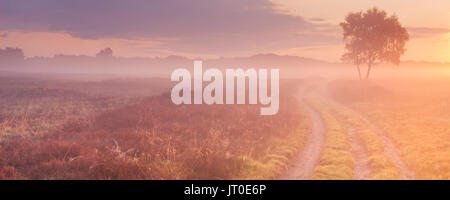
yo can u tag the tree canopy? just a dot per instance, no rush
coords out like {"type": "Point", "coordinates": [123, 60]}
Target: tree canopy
{"type": "Point", "coordinates": [105, 53]}
{"type": "Point", "coordinates": [10, 53]}
{"type": "Point", "coordinates": [373, 37]}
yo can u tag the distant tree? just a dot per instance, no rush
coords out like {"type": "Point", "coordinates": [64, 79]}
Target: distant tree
{"type": "Point", "coordinates": [105, 53]}
{"type": "Point", "coordinates": [372, 37]}
{"type": "Point", "coordinates": [11, 54]}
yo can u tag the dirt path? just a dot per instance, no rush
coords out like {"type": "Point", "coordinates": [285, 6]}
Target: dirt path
{"type": "Point", "coordinates": [302, 167]}
{"type": "Point", "coordinates": [390, 148]}
{"type": "Point", "coordinates": [392, 151]}
{"type": "Point", "coordinates": [362, 169]}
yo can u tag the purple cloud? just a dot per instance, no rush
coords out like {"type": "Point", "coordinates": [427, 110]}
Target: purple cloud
{"type": "Point", "coordinates": [199, 26]}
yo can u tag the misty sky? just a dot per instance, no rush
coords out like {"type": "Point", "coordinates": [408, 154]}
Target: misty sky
{"type": "Point", "coordinates": [210, 28]}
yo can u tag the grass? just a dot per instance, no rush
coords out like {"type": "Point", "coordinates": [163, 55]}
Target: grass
{"type": "Point", "coordinates": [147, 138]}
{"type": "Point", "coordinates": [336, 161]}
{"type": "Point", "coordinates": [381, 166]}
{"type": "Point", "coordinates": [423, 141]}
{"type": "Point", "coordinates": [277, 154]}
{"type": "Point", "coordinates": [414, 114]}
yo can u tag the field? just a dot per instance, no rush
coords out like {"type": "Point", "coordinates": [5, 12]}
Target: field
{"type": "Point", "coordinates": [379, 129]}
{"type": "Point", "coordinates": [65, 130]}
{"type": "Point", "coordinates": [415, 117]}
{"type": "Point", "coordinates": [127, 128]}
{"type": "Point", "coordinates": [402, 123]}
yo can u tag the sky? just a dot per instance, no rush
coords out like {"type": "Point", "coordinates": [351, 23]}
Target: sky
{"type": "Point", "coordinates": [211, 28]}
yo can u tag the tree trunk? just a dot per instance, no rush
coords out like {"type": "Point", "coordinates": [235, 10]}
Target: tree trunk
{"type": "Point", "coordinates": [368, 70]}
{"type": "Point", "coordinates": [359, 72]}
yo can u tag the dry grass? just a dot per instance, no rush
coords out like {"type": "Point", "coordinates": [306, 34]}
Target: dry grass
{"type": "Point", "coordinates": [414, 114]}
{"type": "Point", "coordinates": [152, 139]}
{"type": "Point", "coordinates": [336, 161]}
{"type": "Point", "coordinates": [423, 140]}
{"type": "Point", "coordinates": [379, 161]}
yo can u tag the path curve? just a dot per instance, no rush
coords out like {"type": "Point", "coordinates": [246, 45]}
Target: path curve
{"type": "Point", "coordinates": [302, 167]}
{"type": "Point", "coordinates": [390, 149]}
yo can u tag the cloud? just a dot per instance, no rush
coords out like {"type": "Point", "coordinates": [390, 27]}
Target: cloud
{"type": "Point", "coordinates": [317, 19]}
{"type": "Point", "coordinates": [426, 31]}
{"type": "Point", "coordinates": [199, 26]}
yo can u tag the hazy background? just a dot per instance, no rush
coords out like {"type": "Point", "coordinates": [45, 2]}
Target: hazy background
{"type": "Point", "coordinates": [84, 91]}
{"type": "Point", "coordinates": [210, 29]}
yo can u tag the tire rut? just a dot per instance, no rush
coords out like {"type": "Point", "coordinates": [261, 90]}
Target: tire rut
{"type": "Point", "coordinates": [392, 151]}
{"type": "Point", "coordinates": [362, 168]}
{"type": "Point", "coordinates": [302, 167]}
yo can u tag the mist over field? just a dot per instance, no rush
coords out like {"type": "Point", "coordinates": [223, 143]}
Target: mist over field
{"type": "Point", "coordinates": [104, 121]}
{"type": "Point", "coordinates": [363, 92]}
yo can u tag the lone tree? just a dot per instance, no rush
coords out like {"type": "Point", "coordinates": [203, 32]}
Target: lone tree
{"type": "Point", "coordinates": [373, 37]}
{"type": "Point", "coordinates": [10, 53]}
{"type": "Point", "coordinates": [105, 53]}
{"type": "Point", "coordinates": [11, 56]}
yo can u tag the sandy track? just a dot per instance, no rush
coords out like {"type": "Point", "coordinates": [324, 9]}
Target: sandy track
{"type": "Point", "coordinates": [302, 167]}
{"type": "Point", "coordinates": [389, 147]}
{"type": "Point", "coordinates": [362, 169]}
{"type": "Point", "coordinates": [392, 151]}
